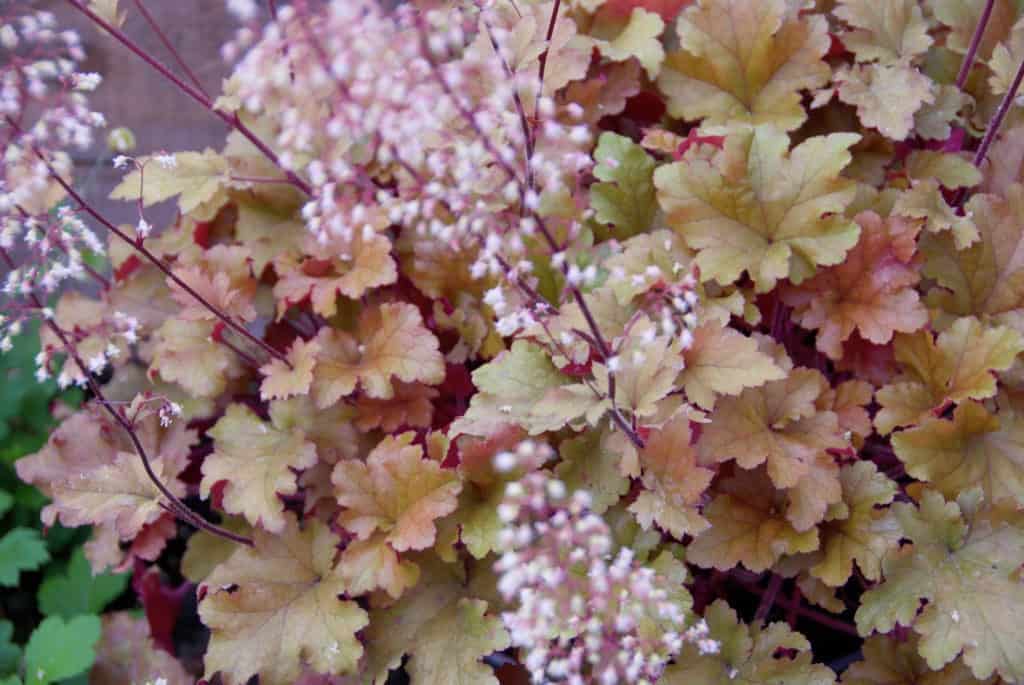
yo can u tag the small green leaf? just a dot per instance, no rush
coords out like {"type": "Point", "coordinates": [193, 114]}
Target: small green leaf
{"type": "Point", "coordinates": [77, 590]}
{"type": "Point", "coordinates": [59, 650]}
{"type": "Point", "coordinates": [6, 502]}
{"type": "Point", "coordinates": [626, 197]}
{"type": "Point", "coordinates": [10, 653]}
{"type": "Point", "coordinates": [21, 549]}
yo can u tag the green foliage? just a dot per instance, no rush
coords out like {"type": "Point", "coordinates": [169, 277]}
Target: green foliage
{"type": "Point", "coordinates": [21, 549]}
{"type": "Point", "coordinates": [625, 196]}
{"type": "Point", "coordinates": [55, 650]}
{"type": "Point", "coordinates": [59, 649]}
{"type": "Point", "coordinates": [77, 591]}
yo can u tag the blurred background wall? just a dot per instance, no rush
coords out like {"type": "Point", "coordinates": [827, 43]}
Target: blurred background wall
{"type": "Point", "coordinates": [133, 95]}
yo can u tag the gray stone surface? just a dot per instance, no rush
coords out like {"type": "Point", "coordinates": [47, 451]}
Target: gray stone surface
{"type": "Point", "coordinates": [135, 96]}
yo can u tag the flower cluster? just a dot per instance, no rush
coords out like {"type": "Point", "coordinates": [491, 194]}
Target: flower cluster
{"type": "Point", "coordinates": [44, 112]}
{"type": "Point", "coordinates": [420, 120]}
{"type": "Point", "coordinates": [43, 105]}
{"type": "Point", "coordinates": [585, 613]}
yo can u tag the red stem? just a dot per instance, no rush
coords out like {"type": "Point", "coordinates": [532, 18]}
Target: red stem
{"type": "Point", "coordinates": [231, 120]}
{"type": "Point", "coordinates": [543, 61]}
{"type": "Point", "coordinates": [768, 598]}
{"type": "Point", "coordinates": [819, 617]}
{"type": "Point", "coordinates": [180, 509]}
{"type": "Point", "coordinates": [602, 347]}
{"type": "Point", "coordinates": [141, 249]}
{"type": "Point", "coordinates": [245, 356]}
{"type": "Point", "coordinates": [169, 46]}
{"type": "Point", "coordinates": [997, 120]}
{"type": "Point", "coordinates": [972, 49]}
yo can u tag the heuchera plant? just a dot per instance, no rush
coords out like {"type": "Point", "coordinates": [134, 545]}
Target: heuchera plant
{"type": "Point", "coordinates": [583, 341]}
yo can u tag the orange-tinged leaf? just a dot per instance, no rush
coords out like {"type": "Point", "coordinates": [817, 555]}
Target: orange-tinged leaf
{"type": "Point", "coordinates": [120, 494]}
{"type": "Point", "coordinates": [411, 406]}
{"type": "Point", "coordinates": [95, 477]}
{"type": "Point", "coordinates": [777, 423]}
{"type": "Point", "coordinates": [349, 268]}
{"type": "Point", "coordinates": [222, 277]}
{"type": "Point", "coordinates": [82, 442]}
{"type": "Point", "coordinates": [748, 526]}
{"type": "Point", "coordinates": [975, 448]}
{"type": "Point", "coordinates": [639, 37]}
{"type": "Point", "coordinates": [392, 343]}
{"type": "Point", "coordinates": [396, 491]}
{"type": "Point", "coordinates": [281, 382]}
{"type": "Point", "coordinates": [1005, 162]}
{"type": "Point", "coordinates": [761, 208]}
{"type": "Point", "coordinates": [673, 482]}
{"type": "Point", "coordinates": [366, 565]}
{"type": "Point", "coordinates": [258, 462]}
{"type": "Point", "coordinates": [962, 16]}
{"type": "Point", "coordinates": [887, 96]}
{"type": "Point", "coordinates": [185, 353]}
{"type": "Point", "coordinates": [884, 30]}
{"type": "Point", "coordinates": [849, 401]}
{"type": "Point", "coordinates": [649, 364]}
{"type": "Point", "coordinates": [956, 366]}
{"type": "Point", "coordinates": [333, 432]}
{"type": "Point", "coordinates": [872, 291]}
{"type": "Point", "coordinates": [744, 61]}
{"type": "Point", "coordinates": [723, 361]}
{"type": "Point", "coordinates": [814, 493]}
{"type": "Point", "coordinates": [285, 612]}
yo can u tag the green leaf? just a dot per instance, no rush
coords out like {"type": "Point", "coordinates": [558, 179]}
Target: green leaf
{"type": "Point", "coordinates": [21, 549]}
{"type": "Point", "coordinates": [449, 649]}
{"type": "Point", "coordinates": [625, 198]}
{"type": "Point", "coordinates": [965, 564]}
{"type": "Point", "coordinates": [196, 178]}
{"type": "Point", "coordinates": [59, 650]}
{"type": "Point", "coordinates": [11, 680]}
{"type": "Point", "coordinates": [10, 653]}
{"type": "Point", "coordinates": [511, 386]}
{"type": "Point", "coordinates": [588, 464]}
{"type": "Point", "coordinates": [748, 655]}
{"type": "Point", "coordinates": [6, 502]}
{"type": "Point", "coordinates": [77, 590]}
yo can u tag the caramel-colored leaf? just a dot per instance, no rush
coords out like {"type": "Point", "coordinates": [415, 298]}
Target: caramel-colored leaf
{"type": "Point", "coordinates": [257, 463]}
{"type": "Point", "coordinates": [955, 367]}
{"type": "Point", "coordinates": [391, 342]}
{"type": "Point", "coordinates": [872, 291]}
{"type": "Point", "coordinates": [748, 526]}
{"type": "Point", "coordinates": [673, 482]}
{"type": "Point", "coordinates": [761, 208]}
{"type": "Point", "coordinates": [395, 491]}
{"type": "Point", "coordinates": [744, 62]}
{"type": "Point", "coordinates": [275, 608]}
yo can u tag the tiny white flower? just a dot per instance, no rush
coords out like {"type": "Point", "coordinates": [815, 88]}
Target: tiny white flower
{"type": "Point", "coordinates": [166, 161]}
